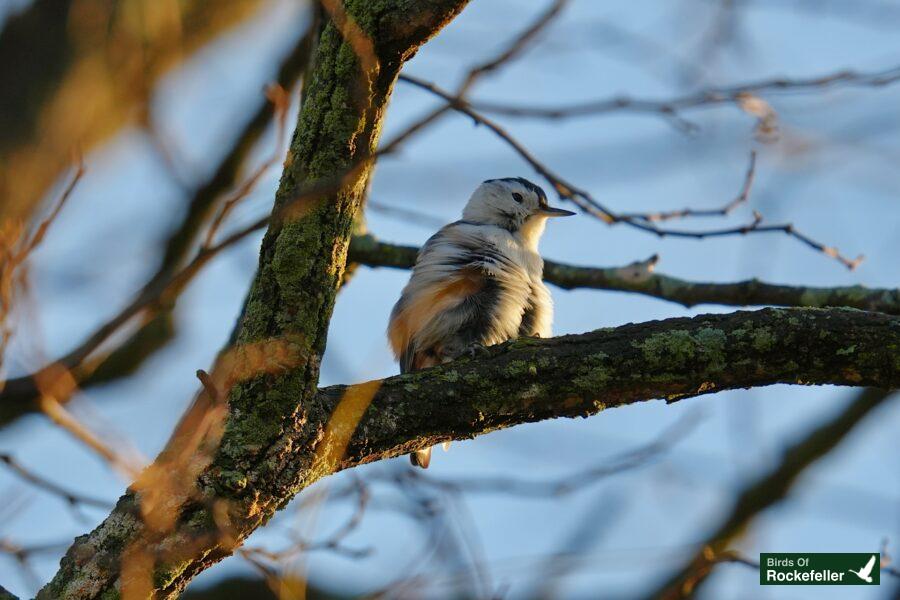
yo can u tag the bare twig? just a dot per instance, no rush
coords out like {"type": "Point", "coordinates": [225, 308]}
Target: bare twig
{"type": "Point", "coordinates": [281, 103]}
{"type": "Point", "coordinates": [333, 542]}
{"type": "Point", "coordinates": [515, 47]}
{"type": "Point", "coordinates": [405, 214]}
{"type": "Point", "coordinates": [23, 555]}
{"type": "Point", "coordinates": [563, 486]}
{"type": "Point", "coordinates": [704, 98]}
{"type": "Point", "coordinates": [723, 211]}
{"type": "Point", "coordinates": [41, 230]}
{"type": "Point", "coordinates": [16, 245]}
{"type": "Point", "coordinates": [68, 496]}
{"type": "Point", "coordinates": [586, 202]}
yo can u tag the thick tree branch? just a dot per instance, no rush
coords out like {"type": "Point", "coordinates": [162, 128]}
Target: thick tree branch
{"type": "Point", "coordinates": [639, 278]}
{"type": "Point", "coordinates": [579, 375]}
{"type": "Point", "coordinates": [530, 380]}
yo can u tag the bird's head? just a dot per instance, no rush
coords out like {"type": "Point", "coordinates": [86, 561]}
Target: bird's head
{"type": "Point", "coordinates": [513, 203]}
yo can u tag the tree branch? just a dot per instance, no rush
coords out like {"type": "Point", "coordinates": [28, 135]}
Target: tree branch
{"type": "Point", "coordinates": [579, 375]}
{"type": "Point", "coordinates": [704, 98]}
{"type": "Point", "coordinates": [18, 396]}
{"type": "Point", "coordinates": [639, 278]}
{"type": "Point", "coordinates": [590, 206]}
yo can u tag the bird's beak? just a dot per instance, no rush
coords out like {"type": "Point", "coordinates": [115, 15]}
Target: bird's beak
{"type": "Point", "coordinates": [550, 211]}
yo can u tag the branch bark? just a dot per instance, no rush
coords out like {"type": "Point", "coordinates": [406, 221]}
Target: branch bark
{"type": "Point", "coordinates": [640, 278]}
{"type": "Point", "coordinates": [532, 380]}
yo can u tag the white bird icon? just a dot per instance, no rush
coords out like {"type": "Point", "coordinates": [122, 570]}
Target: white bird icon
{"type": "Point", "coordinates": [866, 572]}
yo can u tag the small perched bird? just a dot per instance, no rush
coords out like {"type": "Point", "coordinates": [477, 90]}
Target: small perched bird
{"type": "Point", "coordinates": [477, 282]}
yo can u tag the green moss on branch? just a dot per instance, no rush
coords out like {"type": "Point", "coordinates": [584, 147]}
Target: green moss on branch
{"type": "Point", "coordinates": [580, 375]}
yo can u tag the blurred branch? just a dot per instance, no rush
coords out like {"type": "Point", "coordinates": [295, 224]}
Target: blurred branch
{"type": "Point", "coordinates": [736, 558]}
{"type": "Point", "coordinates": [69, 497]}
{"type": "Point", "coordinates": [568, 484]}
{"type": "Point", "coordinates": [280, 100]}
{"type": "Point", "coordinates": [640, 278]}
{"type": "Point", "coordinates": [705, 98]}
{"type": "Point", "coordinates": [16, 399]}
{"type": "Point", "coordinates": [245, 588]}
{"type": "Point", "coordinates": [586, 202]}
{"type": "Point", "coordinates": [81, 72]}
{"type": "Point", "coordinates": [23, 556]}
{"type": "Point", "coordinates": [333, 542]}
{"type": "Point", "coordinates": [875, 13]}
{"type": "Point", "coordinates": [770, 489]}
{"type": "Point", "coordinates": [158, 330]}
{"type": "Point", "coordinates": [16, 246]}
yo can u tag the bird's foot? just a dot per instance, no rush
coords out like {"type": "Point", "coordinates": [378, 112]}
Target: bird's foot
{"type": "Point", "coordinates": [475, 350]}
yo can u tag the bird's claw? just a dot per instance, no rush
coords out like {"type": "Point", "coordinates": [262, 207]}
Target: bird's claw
{"type": "Point", "coordinates": [475, 350]}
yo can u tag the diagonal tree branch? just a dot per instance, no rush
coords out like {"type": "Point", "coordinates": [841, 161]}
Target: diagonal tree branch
{"type": "Point", "coordinates": [190, 509]}
{"type": "Point", "coordinates": [639, 278]}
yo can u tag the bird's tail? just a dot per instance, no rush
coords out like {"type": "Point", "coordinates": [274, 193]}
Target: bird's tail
{"type": "Point", "coordinates": [421, 458]}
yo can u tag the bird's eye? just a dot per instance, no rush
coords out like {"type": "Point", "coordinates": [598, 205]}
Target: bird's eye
{"type": "Point", "coordinates": [517, 197]}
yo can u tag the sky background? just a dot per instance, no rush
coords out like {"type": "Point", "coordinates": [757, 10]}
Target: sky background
{"type": "Point", "coordinates": [834, 173]}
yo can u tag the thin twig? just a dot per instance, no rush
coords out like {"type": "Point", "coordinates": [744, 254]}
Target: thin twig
{"type": "Point", "coordinates": [41, 230]}
{"type": "Point", "coordinates": [515, 47]}
{"type": "Point", "coordinates": [704, 98]}
{"type": "Point", "coordinates": [586, 202]}
{"type": "Point", "coordinates": [722, 211]}
{"type": "Point", "coordinates": [281, 103]}
{"type": "Point", "coordinates": [70, 497]}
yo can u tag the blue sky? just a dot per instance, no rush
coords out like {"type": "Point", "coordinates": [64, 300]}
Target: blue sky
{"type": "Point", "coordinates": [833, 173]}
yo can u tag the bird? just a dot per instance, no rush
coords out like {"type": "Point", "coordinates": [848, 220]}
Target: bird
{"type": "Point", "coordinates": [866, 572]}
{"type": "Point", "coordinates": [477, 282]}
